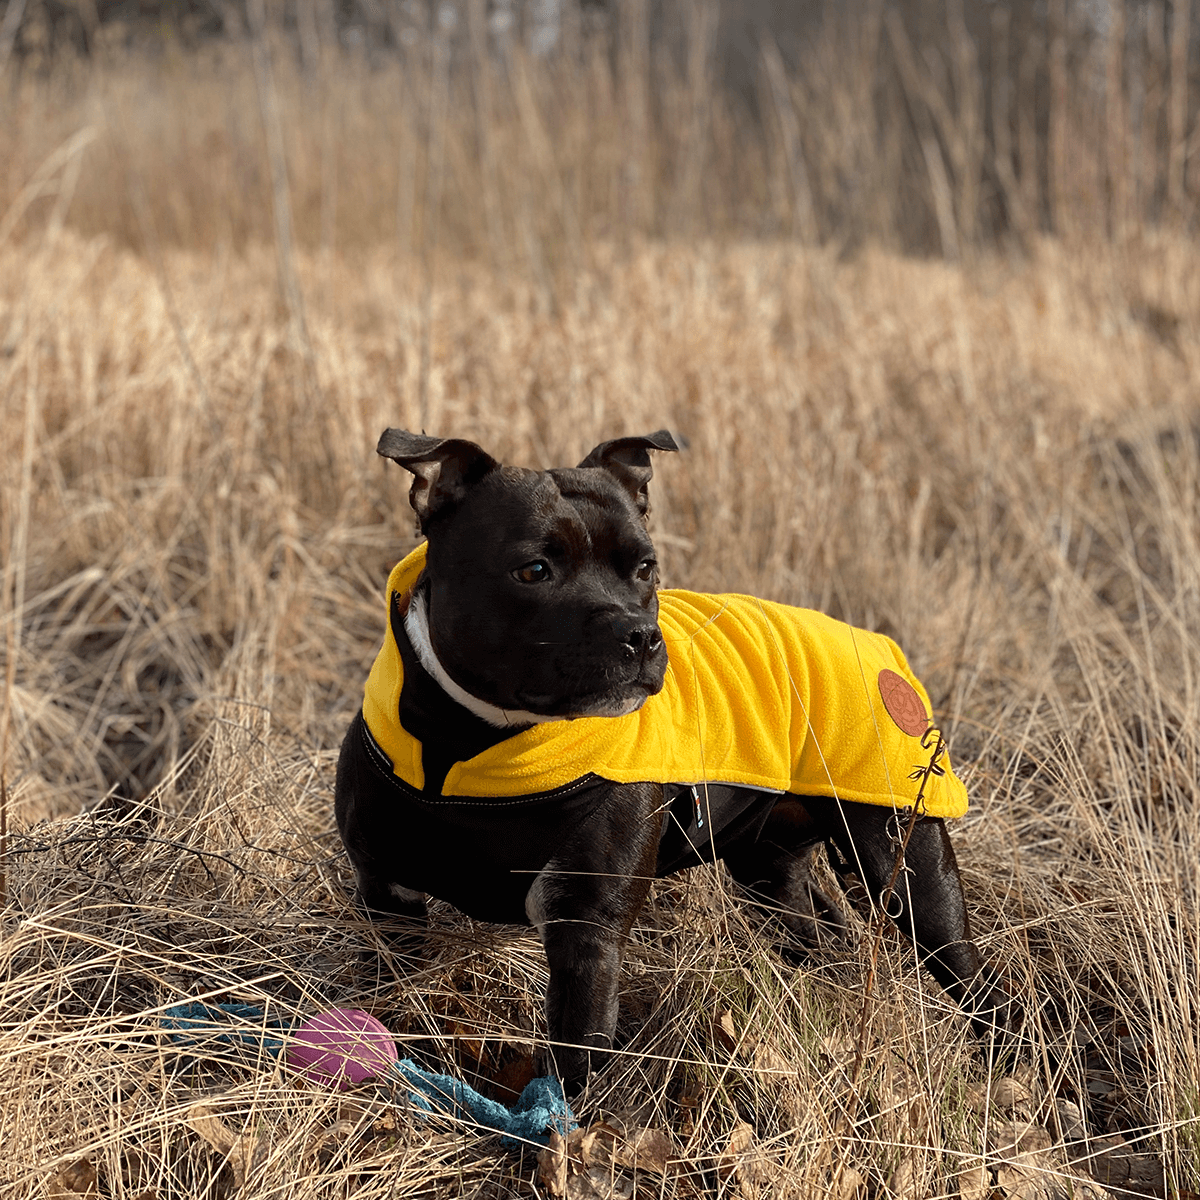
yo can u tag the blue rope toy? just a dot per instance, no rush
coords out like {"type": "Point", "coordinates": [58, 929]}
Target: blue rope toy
{"type": "Point", "coordinates": [541, 1105]}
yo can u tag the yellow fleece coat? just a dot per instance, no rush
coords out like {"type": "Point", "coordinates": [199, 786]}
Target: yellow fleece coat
{"type": "Point", "coordinates": [757, 694]}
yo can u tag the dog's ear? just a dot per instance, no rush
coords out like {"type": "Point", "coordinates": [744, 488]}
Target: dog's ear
{"type": "Point", "coordinates": [628, 459]}
{"type": "Point", "coordinates": [444, 468]}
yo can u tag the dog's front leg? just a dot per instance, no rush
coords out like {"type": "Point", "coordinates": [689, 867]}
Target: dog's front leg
{"type": "Point", "coordinates": [583, 904]}
{"type": "Point", "coordinates": [581, 1000]}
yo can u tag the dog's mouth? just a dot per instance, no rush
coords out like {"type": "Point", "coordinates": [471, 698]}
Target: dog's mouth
{"type": "Point", "coordinates": [594, 689]}
{"type": "Point", "coordinates": [611, 702]}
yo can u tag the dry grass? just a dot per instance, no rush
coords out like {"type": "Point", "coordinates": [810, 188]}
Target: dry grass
{"type": "Point", "coordinates": [1000, 466]}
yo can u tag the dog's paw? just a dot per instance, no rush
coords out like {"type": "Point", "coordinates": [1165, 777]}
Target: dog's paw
{"type": "Point", "coordinates": [573, 1064]}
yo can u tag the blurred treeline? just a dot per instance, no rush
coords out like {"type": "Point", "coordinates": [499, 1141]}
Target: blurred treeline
{"type": "Point", "coordinates": [531, 129]}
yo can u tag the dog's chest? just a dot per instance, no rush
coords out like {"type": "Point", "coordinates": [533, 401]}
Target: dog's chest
{"type": "Point", "coordinates": [482, 855]}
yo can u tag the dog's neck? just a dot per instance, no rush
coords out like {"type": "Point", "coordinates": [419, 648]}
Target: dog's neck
{"type": "Point", "coordinates": [416, 625]}
{"type": "Point", "coordinates": [448, 731]}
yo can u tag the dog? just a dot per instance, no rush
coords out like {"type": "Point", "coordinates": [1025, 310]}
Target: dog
{"type": "Point", "coordinates": [544, 733]}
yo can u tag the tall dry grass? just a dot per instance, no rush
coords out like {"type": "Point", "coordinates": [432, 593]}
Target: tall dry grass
{"type": "Point", "coordinates": [997, 462]}
{"type": "Point", "coordinates": [945, 129]}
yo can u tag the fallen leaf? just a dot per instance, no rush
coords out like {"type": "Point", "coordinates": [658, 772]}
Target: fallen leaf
{"type": "Point", "coordinates": [904, 1096]}
{"type": "Point", "coordinates": [598, 1144]}
{"type": "Point", "coordinates": [1089, 1189]}
{"type": "Point", "coordinates": [597, 1184]}
{"type": "Point", "coordinates": [741, 1139]}
{"type": "Point", "coordinates": [552, 1164]}
{"type": "Point", "coordinates": [387, 1123]}
{"type": "Point", "coordinates": [466, 1037]}
{"type": "Point", "coordinates": [847, 1184]}
{"type": "Point", "coordinates": [1115, 1163]}
{"type": "Point", "coordinates": [1010, 1093]}
{"type": "Point", "coordinates": [325, 1142]}
{"type": "Point", "coordinates": [1009, 1138]}
{"type": "Point", "coordinates": [1070, 1124]}
{"type": "Point", "coordinates": [903, 1182]}
{"type": "Point", "coordinates": [511, 1079]}
{"type": "Point", "coordinates": [364, 1109]}
{"type": "Point", "coordinates": [242, 1151]}
{"type": "Point", "coordinates": [585, 1164]}
{"type": "Point", "coordinates": [839, 1048]}
{"type": "Point", "coordinates": [211, 1128]}
{"type": "Point", "coordinates": [744, 1163]}
{"type": "Point", "coordinates": [1024, 1181]}
{"type": "Point", "coordinates": [771, 1062]}
{"type": "Point", "coordinates": [646, 1150]}
{"type": "Point", "coordinates": [75, 1179]}
{"type": "Point", "coordinates": [974, 1183]}
{"type": "Point", "coordinates": [724, 1032]}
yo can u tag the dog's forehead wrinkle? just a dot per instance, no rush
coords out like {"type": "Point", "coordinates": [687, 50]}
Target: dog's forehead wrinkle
{"type": "Point", "coordinates": [575, 508]}
{"type": "Point", "coordinates": [605, 512]}
{"type": "Point", "coordinates": [570, 533]}
{"type": "Point", "coordinates": [612, 535]}
{"type": "Point", "coordinates": [591, 535]}
{"type": "Point", "coordinates": [512, 504]}
{"type": "Point", "coordinates": [550, 512]}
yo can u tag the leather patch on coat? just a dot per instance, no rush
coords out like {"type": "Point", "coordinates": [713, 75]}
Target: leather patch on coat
{"type": "Point", "coordinates": [903, 704]}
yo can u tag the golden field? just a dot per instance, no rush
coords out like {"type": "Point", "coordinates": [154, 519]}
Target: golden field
{"type": "Point", "coordinates": [997, 461]}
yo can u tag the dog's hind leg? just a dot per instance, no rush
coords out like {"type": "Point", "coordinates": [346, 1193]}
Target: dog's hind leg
{"type": "Point", "coordinates": [363, 804]}
{"type": "Point", "coordinates": [377, 897]}
{"type": "Point", "coordinates": [777, 871]}
{"type": "Point", "coordinates": [397, 913]}
{"type": "Point", "coordinates": [927, 905]}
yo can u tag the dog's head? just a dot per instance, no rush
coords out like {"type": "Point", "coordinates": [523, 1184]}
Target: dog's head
{"type": "Point", "coordinates": [540, 586]}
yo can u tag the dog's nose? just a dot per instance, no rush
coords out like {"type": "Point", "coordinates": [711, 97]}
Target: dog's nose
{"type": "Point", "coordinates": [637, 632]}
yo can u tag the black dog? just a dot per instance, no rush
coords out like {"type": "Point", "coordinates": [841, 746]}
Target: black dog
{"type": "Point", "coordinates": [531, 625]}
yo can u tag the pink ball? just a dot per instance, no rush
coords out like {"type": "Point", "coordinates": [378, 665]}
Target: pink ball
{"type": "Point", "coordinates": [344, 1046]}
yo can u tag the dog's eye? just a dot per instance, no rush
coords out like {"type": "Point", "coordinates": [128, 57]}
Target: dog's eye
{"type": "Point", "coordinates": [534, 572]}
{"type": "Point", "coordinates": [646, 569]}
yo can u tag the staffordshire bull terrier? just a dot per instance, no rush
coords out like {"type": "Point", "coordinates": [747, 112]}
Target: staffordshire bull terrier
{"type": "Point", "coordinates": [544, 733]}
